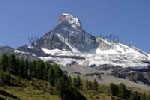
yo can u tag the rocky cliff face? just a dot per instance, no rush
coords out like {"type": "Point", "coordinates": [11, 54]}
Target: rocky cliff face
{"type": "Point", "coordinates": [68, 35]}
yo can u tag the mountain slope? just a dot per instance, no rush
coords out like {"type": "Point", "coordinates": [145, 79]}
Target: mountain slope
{"type": "Point", "coordinates": [69, 41]}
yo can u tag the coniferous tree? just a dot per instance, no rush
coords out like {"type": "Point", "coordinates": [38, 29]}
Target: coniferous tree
{"type": "Point", "coordinates": [45, 71]}
{"type": "Point", "coordinates": [148, 97]}
{"type": "Point", "coordinates": [132, 96]}
{"type": "Point", "coordinates": [65, 91]}
{"type": "Point", "coordinates": [40, 70]}
{"type": "Point", "coordinates": [113, 89]}
{"type": "Point", "coordinates": [142, 97]}
{"type": "Point", "coordinates": [1, 76]}
{"type": "Point", "coordinates": [51, 77]}
{"type": "Point", "coordinates": [137, 95]}
{"type": "Point", "coordinates": [77, 82]}
{"type": "Point", "coordinates": [88, 85]}
{"type": "Point", "coordinates": [33, 72]}
{"type": "Point", "coordinates": [30, 69]}
{"type": "Point", "coordinates": [70, 80]}
{"type": "Point", "coordinates": [61, 87]}
{"type": "Point", "coordinates": [1, 67]}
{"type": "Point", "coordinates": [95, 85]}
{"type": "Point", "coordinates": [4, 77]}
{"type": "Point", "coordinates": [21, 67]}
{"type": "Point", "coordinates": [17, 67]}
{"type": "Point", "coordinates": [38, 65]}
{"type": "Point", "coordinates": [12, 63]}
{"type": "Point", "coordinates": [26, 67]}
{"type": "Point", "coordinates": [122, 90]}
{"type": "Point", "coordinates": [4, 62]}
{"type": "Point", "coordinates": [57, 71]}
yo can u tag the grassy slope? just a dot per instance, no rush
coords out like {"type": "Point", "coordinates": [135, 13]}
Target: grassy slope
{"type": "Point", "coordinates": [39, 90]}
{"type": "Point", "coordinates": [28, 90]}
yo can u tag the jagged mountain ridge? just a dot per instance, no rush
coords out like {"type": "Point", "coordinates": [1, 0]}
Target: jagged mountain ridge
{"type": "Point", "coordinates": [68, 35]}
{"type": "Point", "coordinates": [68, 43]}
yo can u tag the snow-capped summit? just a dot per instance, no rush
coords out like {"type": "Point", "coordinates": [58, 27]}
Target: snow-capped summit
{"type": "Point", "coordinates": [75, 22]}
{"type": "Point", "coordinates": [68, 43]}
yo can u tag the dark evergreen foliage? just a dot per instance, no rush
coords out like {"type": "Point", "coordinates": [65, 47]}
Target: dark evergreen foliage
{"type": "Point", "coordinates": [113, 89]}
{"type": "Point", "coordinates": [95, 85]}
{"type": "Point", "coordinates": [121, 92]}
{"type": "Point", "coordinates": [77, 82]}
{"type": "Point", "coordinates": [40, 70]}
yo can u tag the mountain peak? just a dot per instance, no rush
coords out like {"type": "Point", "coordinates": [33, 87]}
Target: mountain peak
{"type": "Point", "coordinates": [66, 14]}
{"type": "Point", "coordinates": [75, 22]}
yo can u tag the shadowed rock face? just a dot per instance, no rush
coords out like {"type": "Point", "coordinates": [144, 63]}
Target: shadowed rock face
{"type": "Point", "coordinates": [138, 76]}
{"type": "Point", "coordinates": [68, 34]}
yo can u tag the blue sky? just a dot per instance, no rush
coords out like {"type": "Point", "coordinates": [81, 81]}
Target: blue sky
{"type": "Point", "coordinates": [127, 19]}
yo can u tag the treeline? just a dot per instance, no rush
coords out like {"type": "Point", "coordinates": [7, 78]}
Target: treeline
{"type": "Point", "coordinates": [124, 94]}
{"type": "Point", "coordinates": [62, 85]}
{"type": "Point", "coordinates": [23, 67]}
{"type": "Point", "coordinates": [65, 86]}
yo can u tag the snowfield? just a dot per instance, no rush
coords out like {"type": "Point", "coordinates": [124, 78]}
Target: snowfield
{"type": "Point", "coordinates": [119, 55]}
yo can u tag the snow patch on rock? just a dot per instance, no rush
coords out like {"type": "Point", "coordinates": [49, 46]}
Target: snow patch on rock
{"type": "Point", "coordinates": [17, 51]}
{"type": "Point", "coordinates": [75, 22]}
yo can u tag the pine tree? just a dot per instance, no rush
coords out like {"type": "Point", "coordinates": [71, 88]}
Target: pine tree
{"type": "Point", "coordinates": [132, 96]}
{"type": "Point", "coordinates": [77, 82]}
{"type": "Point", "coordinates": [122, 90]}
{"type": "Point", "coordinates": [62, 89]}
{"type": "Point", "coordinates": [137, 95]}
{"type": "Point", "coordinates": [51, 77]}
{"type": "Point", "coordinates": [21, 67]}
{"type": "Point", "coordinates": [147, 97]}
{"type": "Point", "coordinates": [30, 69]}
{"type": "Point", "coordinates": [57, 71]}
{"type": "Point", "coordinates": [95, 85]}
{"type": "Point", "coordinates": [12, 63]}
{"type": "Point", "coordinates": [17, 68]}
{"type": "Point", "coordinates": [113, 89]}
{"type": "Point", "coordinates": [4, 62]}
{"type": "Point", "coordinates": [88, 85]}
{"type": "Point", "coordinates": [1, 73]}
{"type": "Point", "coordinates": [4, 77]}
{"type": "Point", "coordinates": [38, 64]}
{"type": "Point", "coordinates": [65, 91]}
{"type": "Point", "coordinates": [45, 72]}
{"type": "Point", "coordinates": [26, 67]}
{"type": "Point", "coordinates": [143, 97]}
{"type": "Point", "coordinates": [70, 80]}
{"type": "Point", "coordinates": [42, 70]}
{"type": "Point", "coordinates": [1, 77]}
{"type": "Point", "coordinates": [1, 67]}
{"type": "Point", "coordinates": [33, 69]}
